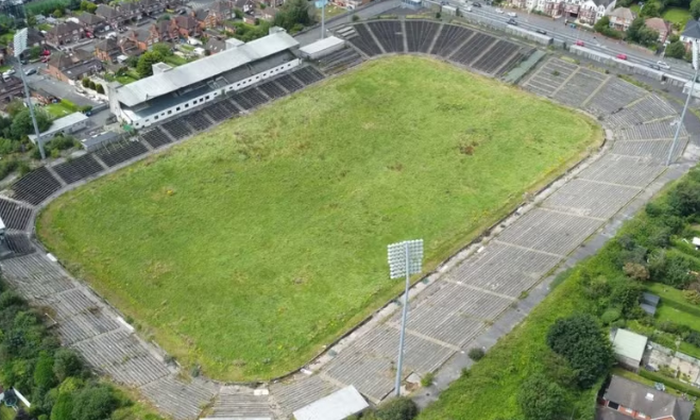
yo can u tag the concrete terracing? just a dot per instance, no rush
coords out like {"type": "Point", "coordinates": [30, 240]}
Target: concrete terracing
{"type": "Point", "coordinates": [474, 298]}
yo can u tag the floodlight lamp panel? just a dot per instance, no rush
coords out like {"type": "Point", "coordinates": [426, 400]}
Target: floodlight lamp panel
{"type": "Point", "coordinates": [20, 42]}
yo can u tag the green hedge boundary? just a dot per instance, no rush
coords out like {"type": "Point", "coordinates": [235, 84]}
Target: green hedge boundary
{"type": "Point", "coordinates": [671, 383]}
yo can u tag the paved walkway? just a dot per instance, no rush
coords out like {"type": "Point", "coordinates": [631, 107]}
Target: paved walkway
{"type": "Point", "coordinates": [472, 300]}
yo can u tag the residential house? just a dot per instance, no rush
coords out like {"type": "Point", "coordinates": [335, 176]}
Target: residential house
{"type": "Point", "coordinates": [92, 23]}
{"type": "Point", "coordinates": [184, 26]}
{"type": "Point", "coordinates": [107, 50]}
{"type": "Point", "coordinates": [141, 37]}
{"type": "Point", "coordinates": [129, 47]}
{"type": "Point", "coordinates": [637, 401]}
{"type": "Point", "coordinates": [70, 67]}
{"type": "Point", "coordinates": [151, 7]}
{"type": "Point", "coordinates": [592, 10]}
{"type": "Point", "coordinates": [661, 26]}
{"type": "Point", "coordinates": [628, 348]}
{"type": "Point", "coordinates": [247, 6]}
{"type": "Point", "coordinates": [129, 11]}
{"type": "Point", "coordinates": [159, 32]}
{"type": "Point", "coordinates": [621, 18]}
{"type": "Point", "coordinates": [218, 12]}
{"type": "Point", "coordinates": [10, 89]}
{"type": "Point", "coordinates": [64, 33]}
{"type": "Point", "coordinates": [111, 16]}
{"type": "Point", "coordinates": [691, 33]}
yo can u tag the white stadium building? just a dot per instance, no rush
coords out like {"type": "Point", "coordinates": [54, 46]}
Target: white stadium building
{"type": "Point", "coordinates": [172, 91]}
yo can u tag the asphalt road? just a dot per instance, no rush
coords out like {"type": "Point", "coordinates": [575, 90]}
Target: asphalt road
{"type": "Point", "coordinates": [558, 30]}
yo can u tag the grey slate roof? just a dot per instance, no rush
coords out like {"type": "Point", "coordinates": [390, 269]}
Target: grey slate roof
{"type": "Point", "coordinates": [692, 29]}
{"type": "Point", "coordinates": [647, 400]}
{"type": "Point", "coordinates": [650, 299]}
{"type": "Point", "coordinates": [90, 19]}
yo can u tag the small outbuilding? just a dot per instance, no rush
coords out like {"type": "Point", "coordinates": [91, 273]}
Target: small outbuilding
{"type": "Point", "coordinates": [66, 125]}
{"type": "Point", "coordinates": [629, 348]}
{"type": "Point", "coordinates": [322, 48]}
{"type": "Point", "coordinates": [649, 303]}
{"type": "Point", "coordinates": [337, 406]}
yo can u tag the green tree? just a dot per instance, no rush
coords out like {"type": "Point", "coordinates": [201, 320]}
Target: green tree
{"type": "Point", "coordinates": [582, 342]}
{"type": "Point", "coordinates": [22, 123]}
{"type": "Point", "coordinates": [66, 364]}
{"type": "Point", "coordinates": [162, 49]}
{"type": "Point", "coordinates": [63, 409]}
{"type": "Point", "coordinates": [163, 17]}
{"type": "Point", "coordinates": [397, 409]}
{"type": "Point", "coordinates": [295, 12]}
{"type": "Point", "coordinates": [88, 6]}
{"type": "Point", "coordinates": [99, 89]}
{"type": "Point", "coordinates": [652, 8]}
{"type": "Point", "coordinates": [44, 377]}
{"type": "Point", "coordinates": [638, 32]}
{"type": "Point", "coordinates": [95, 402]}
{"type": "Point", "coordinates": [86, 82]}
{"type": "Point", "coordinates": [685, 198]}
{"type": "Point", "coordinates": [58, 13]}
{"type": "Point", "coordinates": [540, 398]}
{"type": "Point", "coordinates": [145, 65]}
{"type": "Point", "coordinates": [603, 24]}
{"type": "Point", "coordinates": [695, 9]}
{"type": "Point", "coordinates": [31, 20]}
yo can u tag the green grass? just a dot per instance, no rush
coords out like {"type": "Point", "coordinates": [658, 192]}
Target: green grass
{"type": "Point", "coordinates": [331, 11]}
{"type": "Point", "coordinates": [516, 357]}
{"type": "Point", "coordinates": [635, 8]}
{"type": "Point", "coordinates": [677, 15]}
{"type": "Point", "coordinates": [249, 247]}
{"type": "Point", "coordinates": [6, 413]}
{"type": "Point", "coordinates": [175, 60]}
{"type": "Point", "coordinates": [59, 110]}
{"type": "Point", "coordinates": [674, 313]}
{"type": "Point", "coordinates": [5, 68]}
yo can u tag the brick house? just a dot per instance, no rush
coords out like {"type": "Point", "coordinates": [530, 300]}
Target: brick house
{"type": "Point", "coordinates": [621, 18]}
{"type": "Point", "coordinates": [592, 10]}
{"type": "Point", "coordinates": [107, 50]}
{"type": "Point", "coordinates": [151, 7]}
{"type": "Point", "coordinates": [246, 6]}
{"type": "Point", "coordinates": [659, 25]}
{"type": "Point", "coordinates": [184, 26]}
{"type": "Point", "coordinates": [109, 14]}
{"type": "Point", "coordinates": [129, 47]}
{"type": "Point", "coordinates": [159, 32]}
{"type": "Point", "coordinates": [140, 37]}
{"type": "Point", "coordinates": [10, 89]}
{"type": "Point", "coordinates": [92, 23]}
{"type": "Point", "coordinates": [218, 12]}
{"type": "Point", "coordinates": [129, 11]}
{"type": "Point", "coordinates": [64, 33]}
{"type": "Point", "coordinates": [71, 67]}
{"type": "Point", "coordinates": [634, 400]}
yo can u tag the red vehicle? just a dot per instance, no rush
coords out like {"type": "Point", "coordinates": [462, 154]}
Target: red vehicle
{"type": "Point", "coordinates": [579, 43]}
{"type": "Point", "coordinates": [46, 53]}
{"type": "Point", "coordinates": [622, 56]}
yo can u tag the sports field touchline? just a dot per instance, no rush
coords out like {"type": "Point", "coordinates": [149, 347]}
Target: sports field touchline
{"type": "Point", "coordinates": [246, 249]}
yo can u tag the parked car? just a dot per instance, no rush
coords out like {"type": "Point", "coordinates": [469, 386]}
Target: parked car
{"type": "Point", "coordinates": [46, 53]}
{"type": "Point", "coordinates": [655, 66]}
{"type": "Point", "coordinates": [468, 9]}
{"type": "Point", "coordinates": [580, 43]}
{"type": "Point", "coordinates": [499, 11]}
{"type": "Point", "coordinates": [663, 65]}
{"type": "Point", "coordinates": [476, 4]}
{"type": "Point", "coordinates": [512, 21]}
{"type": "Point", "coordinates": [622, 56]}
{"type": "Point", "coordinates": [30, 72]}
{"type": "Point", "coordinates": [10, 72]}
{"type": "Point", "coordinates": [512, 14]}
{"type": "Point", "coordinates": [541, 31]}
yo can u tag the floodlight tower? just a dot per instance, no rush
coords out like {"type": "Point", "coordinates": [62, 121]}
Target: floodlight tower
{"type": "Point", "coordinates": [323, 18]}
{"type": "Point", "coordinates": [405, 258]}
{"type": "Point", "coordinates": [695, 47]}
{"type": "Point", "coordinates": [20, 45]}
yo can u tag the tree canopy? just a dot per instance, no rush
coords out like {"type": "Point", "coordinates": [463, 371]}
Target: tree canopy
{"type": "Point", "coordinates": [295, 13]}
{"type": "Point", "coordinates": [582, 342]}
{"type": "Point", "coordinates": [540, 398]}
{"type": "Point", "coordinates": [639, 32]}
{"type": "Point", "coordinates": [145, 65]}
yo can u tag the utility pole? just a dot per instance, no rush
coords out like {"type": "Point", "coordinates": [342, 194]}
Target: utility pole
{"type": "Point", "coordinates": [20, 46]}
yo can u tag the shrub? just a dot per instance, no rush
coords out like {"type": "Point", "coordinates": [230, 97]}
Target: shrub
{"type": "Point", "coordinates": [397, 409]}
{"type": "Point", "coordinates": [609, 316]}
{"type": "Point", "coordinates": [66, 364]}
{"type": "Point", "coordinates": [427, 379]}
{"type": "Point", "coordinates": [693, 338]}
{"type": "Point", "coordinates": [476, 353]}
{"type": "Point", "coordinates": [43, 372]}
{"type": "Point", "coordinates": [636, 271]}
{"type": "Point", "coordinates": [678, 386]}
{"type": "Point", "coordinates": [692, 296]}
{"type": "Point", "coordinates": [94, 402]}
{"type": "Point", "coordinates": [581, 341]}
{"type": "Point", "coordinates": [540, 398]}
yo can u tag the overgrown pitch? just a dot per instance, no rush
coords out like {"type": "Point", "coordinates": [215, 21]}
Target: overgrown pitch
{"type": "Point", "coordinates": [248, 248]}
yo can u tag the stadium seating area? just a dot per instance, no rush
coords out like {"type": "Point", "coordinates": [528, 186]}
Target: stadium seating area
{"type": "Point", "coordinates": [76, 169]}
{"type": "Point", "coordinates": [116, 153]}
{"type": "Point", "coordinates": [290, 83]}
{"type": "Point", "coordinates": [339, 61]}
{"type": "Point", "coordinates": [198, 120]}
{"type": "Point", "coordinates": [157, 137]}
{"type": "Point", "coordinates": [14, 215]}
{"type": "Point", "coordinates": [479, 51]}
{"type": "Point", "coordinates": [177, 129]}
{"type": "Point", "coordinates": [36, 186]}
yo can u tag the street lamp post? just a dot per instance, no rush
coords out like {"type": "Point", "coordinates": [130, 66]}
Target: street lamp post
{"type": "Point", "coordinates": [687, 102]}
{"type": "Point", "coordinates": [405, 258]}
{"type": "Point", "coordinates": [323, 19]}
{"type": "Point", "coordinates": [19, 46]}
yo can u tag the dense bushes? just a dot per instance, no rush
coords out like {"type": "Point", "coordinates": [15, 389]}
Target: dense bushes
{"type": "Point", "coordinates": [540, 398]}
{"type": "Point", "coordinates": [53, 378]}
{"type": "Point", "coordinates": [401, 408]}
{"type": "Point", "coordinates": [584, 344]}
